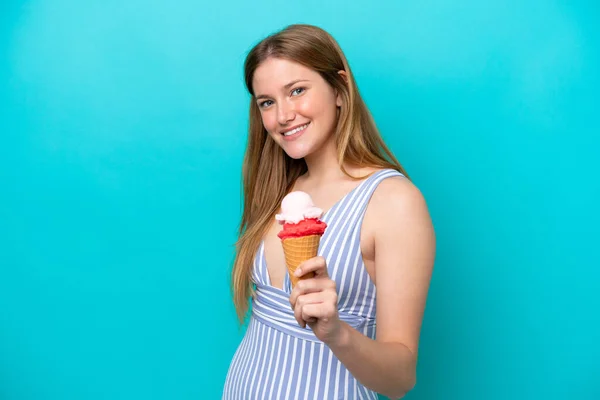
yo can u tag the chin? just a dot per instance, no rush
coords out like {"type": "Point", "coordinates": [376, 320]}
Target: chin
{"type": "Point", "coordinates": [297, 151]}
{"type": "Point", "coordinates": [296, 155]}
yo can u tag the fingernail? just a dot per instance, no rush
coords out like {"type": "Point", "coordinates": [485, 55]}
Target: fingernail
{"type": "Point", "coordinates": [298, 272]}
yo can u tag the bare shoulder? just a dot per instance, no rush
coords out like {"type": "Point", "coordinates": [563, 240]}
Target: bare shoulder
{"type": "Point", "coordinates": [397, 216]}
{"type": "Point", "coordinates": [397, 198]}
{"type": "Point", "coordinates": [397, 223]}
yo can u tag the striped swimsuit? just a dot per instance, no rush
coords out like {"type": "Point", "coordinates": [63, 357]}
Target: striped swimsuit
{"type": "Point", "coordinates": [278, 359]}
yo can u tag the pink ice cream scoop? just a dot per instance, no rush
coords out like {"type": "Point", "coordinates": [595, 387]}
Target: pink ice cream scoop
{"type": "Point", "coordinates": [301, 233]}
{"type": "Point", "coordinates": [297, 206]}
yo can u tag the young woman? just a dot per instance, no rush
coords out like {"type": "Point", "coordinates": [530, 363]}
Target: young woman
{"type": "Point", "coordinates": [352, 330]}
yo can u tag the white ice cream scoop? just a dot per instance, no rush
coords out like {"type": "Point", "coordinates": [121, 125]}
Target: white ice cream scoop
{"type": "Point", "coordinates": [297, 206]}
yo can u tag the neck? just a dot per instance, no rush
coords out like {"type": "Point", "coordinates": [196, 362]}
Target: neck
{"type": "Point", "coordinates": [323, 165]}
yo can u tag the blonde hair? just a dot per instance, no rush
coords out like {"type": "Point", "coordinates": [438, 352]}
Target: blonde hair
{"type": "Point", "coordinates": [268, 173]}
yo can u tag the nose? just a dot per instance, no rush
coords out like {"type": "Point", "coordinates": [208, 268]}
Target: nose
{"type": "Point", "coordinates": [285, 113]}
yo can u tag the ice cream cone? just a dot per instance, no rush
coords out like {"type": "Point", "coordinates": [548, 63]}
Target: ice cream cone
{"type": "Point", "coordinates": [298, 250]}
{"type": "Point", "coordinates": [301, 233]}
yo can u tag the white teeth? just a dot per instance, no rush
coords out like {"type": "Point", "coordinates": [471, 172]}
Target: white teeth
{"type": "Point", "coordinates": [298, 129]}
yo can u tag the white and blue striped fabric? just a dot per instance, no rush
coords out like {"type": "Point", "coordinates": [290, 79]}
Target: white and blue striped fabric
{"type": "Point", "coordinates": [277, 359]}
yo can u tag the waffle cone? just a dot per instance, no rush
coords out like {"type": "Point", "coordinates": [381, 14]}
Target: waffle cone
{"type": "Point", "coordinates": [298, 250]}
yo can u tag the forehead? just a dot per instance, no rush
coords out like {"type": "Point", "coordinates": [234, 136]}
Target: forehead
{"type": "Point", "coordinates": [274, 73]}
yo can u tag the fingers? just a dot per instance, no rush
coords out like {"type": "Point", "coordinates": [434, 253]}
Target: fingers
{"type": "Point", "coordinates": [315, 264]}
{"type": "Point", "coordinates": [323, 311]}
{"type": "Point", "coordinates": [306, 299]}
{"type": "Point", "coordinates": [313, 298]}
{"type": "Point", "coordinates": [306, 286]}
{"type": "Point", "coordinates": [312, 306]}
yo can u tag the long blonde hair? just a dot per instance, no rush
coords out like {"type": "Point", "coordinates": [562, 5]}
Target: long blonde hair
{"type": "Point", "coordinates": [269, 173]}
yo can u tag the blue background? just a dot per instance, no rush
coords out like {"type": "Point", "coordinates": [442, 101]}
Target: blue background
{"type": "Point", "coordinates": [123, 125]}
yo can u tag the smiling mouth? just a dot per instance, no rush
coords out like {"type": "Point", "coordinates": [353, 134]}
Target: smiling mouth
{"type": "Point", "coordinates": [296, 130]}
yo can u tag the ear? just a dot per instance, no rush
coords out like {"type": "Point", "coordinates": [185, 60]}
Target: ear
{"type": "Point", "coordinates": [338, 99]}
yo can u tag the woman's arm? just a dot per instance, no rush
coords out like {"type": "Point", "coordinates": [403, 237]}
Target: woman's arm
{"type": "Point", "coordinates": [404, 256]}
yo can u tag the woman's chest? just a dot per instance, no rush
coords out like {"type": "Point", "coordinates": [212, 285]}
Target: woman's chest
{"type": "Point", "coordinates": [349, 251]}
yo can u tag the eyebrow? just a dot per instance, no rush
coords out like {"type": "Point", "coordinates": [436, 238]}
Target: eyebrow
{"type": "Point", "coordinates": [287, 86]}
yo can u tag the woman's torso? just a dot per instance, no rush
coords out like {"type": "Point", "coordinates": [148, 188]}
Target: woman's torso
{"type": "Point", "coordinates": [278, 359]}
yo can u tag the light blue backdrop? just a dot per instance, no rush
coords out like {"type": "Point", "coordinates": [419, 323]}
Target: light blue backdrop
{"type": "Point", "coordinates": [123, 128]}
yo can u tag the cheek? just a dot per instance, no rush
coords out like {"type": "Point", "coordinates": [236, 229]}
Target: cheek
{"type": "Point", "coordinates": [269, 121]}
{"type": "Point", "coordinates": [308, 107]}
{"type": "Point", "coordinates": [316, 106]}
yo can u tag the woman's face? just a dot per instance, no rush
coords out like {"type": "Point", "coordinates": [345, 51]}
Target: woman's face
{"type": "Point", "coordinates": [298, 107]}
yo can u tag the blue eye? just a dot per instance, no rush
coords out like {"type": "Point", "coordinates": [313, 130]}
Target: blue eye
{"type": "Point", "coordinates": [300, 90]}
{"type": "Point", "coordinates": [265, 103]}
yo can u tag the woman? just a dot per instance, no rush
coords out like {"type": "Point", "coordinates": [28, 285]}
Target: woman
{"type": "Point", "coordinates": [310, 131]}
